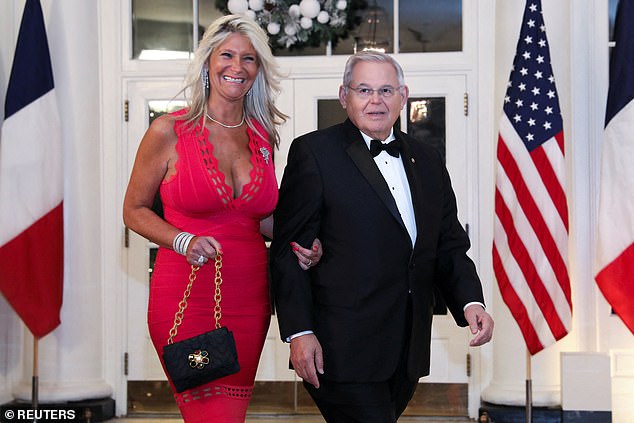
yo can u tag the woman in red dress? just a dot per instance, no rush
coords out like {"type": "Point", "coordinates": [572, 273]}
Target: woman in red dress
{"type": "Point", "coordinates": [212, 164]}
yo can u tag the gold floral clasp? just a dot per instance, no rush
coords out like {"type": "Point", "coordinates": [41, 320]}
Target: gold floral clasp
{"type": "Point", "coordinates": [198, 359]}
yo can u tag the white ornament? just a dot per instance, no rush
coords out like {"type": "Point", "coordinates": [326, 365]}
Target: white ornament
{"type": "Point", "coordinates": [306, 23]}
{"type": "Point", "coordinates": [237, 7]}
{"type": "Point", "coordinates": [256, 5]}
{"type": "Point", "coordinates": [250, 14]}
{"type": "Point", "coordinates": [342, 4]}
{"type": "Point", "coordinates": [273, 28]}
{"type": "Point", "coordinates": [290, 30]}
{"type": "Point", "coordinates": [309, 8]}
{"type": "Point", "coordinates": [293, 11]}
{"type": "Point", "coordinates": [323, 17]}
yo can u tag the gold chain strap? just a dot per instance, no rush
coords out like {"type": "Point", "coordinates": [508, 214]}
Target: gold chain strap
{"type": "Point", "coordinates": [178, 317]}
{"type": "Point", "coordinates": [217, 294]}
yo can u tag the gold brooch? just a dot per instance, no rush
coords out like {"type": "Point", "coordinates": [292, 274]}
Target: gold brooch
{"type": "Point", "coordinates": [198, 359]}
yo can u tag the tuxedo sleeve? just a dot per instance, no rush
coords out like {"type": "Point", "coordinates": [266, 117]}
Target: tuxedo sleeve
{"type": "Point", "coordinates": [296, 218]}
{"type": "Point", "coordinates": [455, 273]}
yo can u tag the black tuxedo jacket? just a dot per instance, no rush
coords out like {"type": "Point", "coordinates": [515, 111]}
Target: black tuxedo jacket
{"type": "Point", "coordinates": [355, 299]}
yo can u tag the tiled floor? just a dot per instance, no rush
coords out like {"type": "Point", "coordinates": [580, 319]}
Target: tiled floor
{"type": "Point", "coordinates": [152, 402]}
{"type": "Point", "coordinates": [154, 398]}
{"type": "Point", "coordinates": [289, 419]}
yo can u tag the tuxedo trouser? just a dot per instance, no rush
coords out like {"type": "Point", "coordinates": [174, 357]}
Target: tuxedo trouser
{"type": "Point", "coordinates": [370, 402]}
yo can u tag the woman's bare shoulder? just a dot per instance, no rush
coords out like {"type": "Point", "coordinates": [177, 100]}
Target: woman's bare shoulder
{"type": "Point", "coordinates": [163, 125]}
{"type": "Point", "coordinates": [161, 133]}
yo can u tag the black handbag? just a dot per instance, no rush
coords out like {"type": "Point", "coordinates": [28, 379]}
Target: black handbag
{"type": "Point", "coordinates": [202, 358]}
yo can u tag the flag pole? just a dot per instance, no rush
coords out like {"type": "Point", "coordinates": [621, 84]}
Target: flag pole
{"type": "Point", "coordinates": [35, 377]}
{"type": "Point", "coordinates": [529, 389]}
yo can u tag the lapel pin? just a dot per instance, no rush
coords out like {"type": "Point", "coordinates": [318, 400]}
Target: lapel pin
{"type": "Point", "coordinates": [413, 161]}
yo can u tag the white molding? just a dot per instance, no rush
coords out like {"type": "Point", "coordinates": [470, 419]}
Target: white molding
{"type": "Point", "coordinates": [483, 154]}
{"type": "Point", "coordinates": [585, 109]}
{"type": "Point", "coordinates": [112, 179]}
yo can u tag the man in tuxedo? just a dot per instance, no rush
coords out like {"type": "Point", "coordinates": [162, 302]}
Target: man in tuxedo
{"type": "Point", "coordinates": [359, 322]}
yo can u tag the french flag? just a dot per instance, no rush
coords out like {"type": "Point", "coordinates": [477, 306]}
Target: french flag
{"type": "Point", "coordinates": [615, 241]}
{"type": "Point", "coordinates": [31, 183]}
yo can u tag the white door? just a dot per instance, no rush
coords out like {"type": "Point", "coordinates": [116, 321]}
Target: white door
{"type": "Point", "coordinates": [316, 102]}
{"type": "Point", "coordinates": [146, 100]}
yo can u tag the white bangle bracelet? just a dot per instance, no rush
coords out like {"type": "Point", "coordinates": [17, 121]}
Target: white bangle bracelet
{"type": "Point", "coordinates": [181, 242]}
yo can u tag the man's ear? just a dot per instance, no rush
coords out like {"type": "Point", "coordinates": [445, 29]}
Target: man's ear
{"type": "Point", "coordinates": [342, 96]}
{"type": "Point", "coordinates": [405, 95]}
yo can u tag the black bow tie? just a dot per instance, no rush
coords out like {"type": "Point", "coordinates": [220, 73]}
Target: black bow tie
{"type": "Point", "coordinates": [393, 148]}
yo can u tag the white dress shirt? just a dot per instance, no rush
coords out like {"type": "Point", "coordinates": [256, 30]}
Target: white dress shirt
{"type": "Point", "coordinates": [393, 172]}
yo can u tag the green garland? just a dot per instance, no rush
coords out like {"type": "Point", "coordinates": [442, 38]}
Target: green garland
{"type": "Point", "coordinates": [288, 28]}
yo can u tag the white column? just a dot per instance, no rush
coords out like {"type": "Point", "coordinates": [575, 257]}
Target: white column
{"type": "Point", "coordinates": [70, 366]}
{"type": "Point", "coordinates": [508, 383]}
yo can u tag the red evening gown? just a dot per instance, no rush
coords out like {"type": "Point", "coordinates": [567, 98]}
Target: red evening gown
{"type": "Point", "coordinates": [197, 200]}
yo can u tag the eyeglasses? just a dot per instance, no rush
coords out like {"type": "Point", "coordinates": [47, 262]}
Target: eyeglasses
{"type": "Point", "coordinates": [385, 92]}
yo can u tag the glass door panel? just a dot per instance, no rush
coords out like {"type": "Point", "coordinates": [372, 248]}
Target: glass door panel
{"type": "Point", "coordinates": [426, 121]}
{"type": "Point", "coordinates": [207, 13]}
{"type": "Point", "coordinates": [430, 26]}
{"type": "Point", "coordinates": [329, 112]}
{"type": "Point", "coordinates": [161, 30]}
{"type": "Point", "coordinates": [376, 29]}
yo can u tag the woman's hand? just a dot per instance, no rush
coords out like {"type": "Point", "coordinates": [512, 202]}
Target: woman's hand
{"type": "Point", "coordinates": [308, 257]}
{"type": "Point", "coordinates": [201, 249]}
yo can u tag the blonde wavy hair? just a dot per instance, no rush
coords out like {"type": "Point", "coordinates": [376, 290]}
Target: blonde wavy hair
{"type": "Point", "coordinates": [259, 102]}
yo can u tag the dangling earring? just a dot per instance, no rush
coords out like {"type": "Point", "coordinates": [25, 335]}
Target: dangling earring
{"type": "Point", "coordinates": [205, 81]}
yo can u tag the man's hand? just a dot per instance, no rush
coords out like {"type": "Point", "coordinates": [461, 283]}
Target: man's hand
{"type": "Point", "coordinates": [480, 324]}
{"type": "Point", "coordinates": [307, 358]}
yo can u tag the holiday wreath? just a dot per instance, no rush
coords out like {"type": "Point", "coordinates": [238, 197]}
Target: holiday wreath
{"type": "Point", "coordinates": [294, 24]}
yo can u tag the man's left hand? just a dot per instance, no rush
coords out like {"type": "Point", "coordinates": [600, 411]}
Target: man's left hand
{"type": "Point", "coordinates": [480, 324]}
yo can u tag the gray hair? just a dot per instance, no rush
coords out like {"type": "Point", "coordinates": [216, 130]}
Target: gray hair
{"type": "Point", "coordinates": [370, 56]}
{"type": "Point", "coordinates": [259, 102]}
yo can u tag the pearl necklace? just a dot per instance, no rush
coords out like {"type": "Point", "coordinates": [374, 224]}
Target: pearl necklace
{"type": "Point", "coordinates": [224, 125]}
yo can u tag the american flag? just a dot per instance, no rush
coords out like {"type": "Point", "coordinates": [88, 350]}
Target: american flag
{"type": "Point", "coordinates": [530, 247]}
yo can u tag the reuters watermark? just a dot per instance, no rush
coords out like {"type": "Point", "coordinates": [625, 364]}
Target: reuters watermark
{"type": "Point", "coordinates": [51, 415]}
